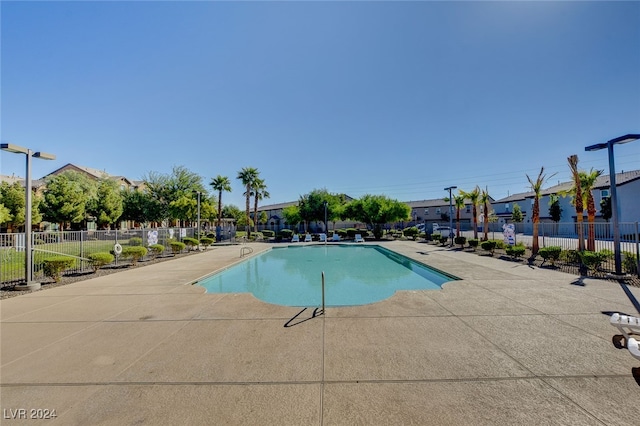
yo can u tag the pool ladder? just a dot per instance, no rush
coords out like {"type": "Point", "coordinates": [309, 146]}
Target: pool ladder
{"type": "Point", "coordinates": [245, 251]}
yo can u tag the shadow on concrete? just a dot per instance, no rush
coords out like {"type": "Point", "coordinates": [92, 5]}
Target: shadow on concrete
{"type": "Point", "coordinates": [296, 318]}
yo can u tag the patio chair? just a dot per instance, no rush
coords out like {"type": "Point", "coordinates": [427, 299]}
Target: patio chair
{"type": "Point", "coordinates": [634, 347]}
{"type": "Point", "coordinates": [626, 324]}
{"type": "Point", "coordinates": [336, 237]}
{"type": "Point", "coordinates": [307, 238]}
{"type": "Point", "coordinates": [295, 239]}
{"type": "Point", "coordinates": [323, 238]}
{"type": "Point", "coordinates": [359, 238]}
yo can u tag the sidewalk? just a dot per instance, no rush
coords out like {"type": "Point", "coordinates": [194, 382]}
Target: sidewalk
{"type": "Point", "coordinates": [508, 344]}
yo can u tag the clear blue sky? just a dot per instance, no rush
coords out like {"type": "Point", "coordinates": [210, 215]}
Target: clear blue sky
{"type": "Point", "coordinates": [395, 98]}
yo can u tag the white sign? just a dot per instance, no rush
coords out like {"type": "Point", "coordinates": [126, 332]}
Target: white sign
{"type": "Point", "coordinates": [152, 237]}
{"type": "Point", "coordinates": [509, 232]}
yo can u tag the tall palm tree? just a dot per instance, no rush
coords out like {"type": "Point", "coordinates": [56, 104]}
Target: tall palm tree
{"type": "Point", "coordinates": [459, 203]}
{"type": "Point", "coordinates": [587, 182]}
{"type": "Point", "coordinates": [259, 192]}
{"type": "Point", "coordinates": [484, 200]}
{"type": "Point", "coordinates": [248, 176]}
{"type": "Point", "coordinates": [536, 187]}
{"type": "Point", "coordinates": [474, 197]}
{"type": "Point", "coordinates": [577, 189]}
{"type": "Point", "coordinates": [220, 183]}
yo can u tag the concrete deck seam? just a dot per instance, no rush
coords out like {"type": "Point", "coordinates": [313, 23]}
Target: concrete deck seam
{"type": "Point", "coordinates": [320, 382]}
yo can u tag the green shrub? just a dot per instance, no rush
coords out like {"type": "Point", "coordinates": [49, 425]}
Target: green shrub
{"type": "Point", "coordinates": [156, 250]}
{"type": "Point", "coordinates": [134, 253]}
{"type": "Point", "coordinates": [443, 240]}
{"type": "Point", "coordinates": [551, 253]}
{"type": "Point", "coordinates": [177, 246]}
{"type": "Point", "coordinates": [268, 233]}
{"type": "Point", "coordinates": [591, 260]}
{"type": "Point", "coordinates": [570, 256]}
{"type": "Point", "coordinates": [98, 260]}
{"type": "Point", "coordinates": [351, 232]}
{"type": "Point", "coordinates": [190, 242]}
{"type": "Point", "coordinates": [135, 241]}
{"type": "Point", "coordinates": [515, 251]}
{"type": "Point", "coordinates": [436, 238]}
{"type": "Point", "coordinates": [461, 241]}
{"type": "Point", "coordinates": [500, 244]}
{"type": "Point", "coordinates": [54, 266]}
{"type": "Point", "coordinates": [286, 233]}
{"type": "Point", "coordinates": [206, 241]}
{"type": "Point", "coordinates": [473, 243]}
{"type": "Point", "coordinates": [342, 232]}
{"type": "Point", "coordinates": [629, 262]}
{"type": "Point", "coordinates": [489, 245]}
{"type": "Point", "coordinates": [411, 232]}
{"type": "Point", "coordinates": [606, 254]}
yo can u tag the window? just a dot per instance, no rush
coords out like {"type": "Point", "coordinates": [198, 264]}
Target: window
{"type": "Point", "coordinates": [604, 193]}
{"type": "Point", "coordinates": [506, 207]}
{"type": "Point", "coordinates": [438, 210]}
{"type": "Point", "coordinates": [426, 211]}
{"type": "Point", "coordinates": [469, 208]}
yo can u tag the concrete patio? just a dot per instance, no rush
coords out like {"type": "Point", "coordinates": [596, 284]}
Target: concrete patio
{"type": "Point", "coordinates": [508, 344]}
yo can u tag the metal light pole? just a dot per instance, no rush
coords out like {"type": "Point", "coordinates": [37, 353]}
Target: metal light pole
{"type": "Point", "coordinates": [615, 208]}
{"type": "Point", "coordinates": [325, 221]}
{"type": "Point", "coordinates": [450, 214]}
{"type": "Point", "coordinates": [198, 192]}
{"type": "Point", "coordinates": [28, 256]}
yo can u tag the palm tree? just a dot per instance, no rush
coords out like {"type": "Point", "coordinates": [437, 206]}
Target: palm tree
{"type": "Point", "coordinates": [587, 182]}
{"type": "Point", "coordinates": [459, 202]}
{"type": "Point", "coordinates": [536, 187]}
{"type": "Point", "coordinates": [220, 183]}
{"type": "Point", "coordinates": [259, 192]}
{"type": "Point", "coordinates": [577, 199]}
{"type": "Point", "coordinates": [484, 200]}
{"type": "Point", "coordinates": [474, 197]}
{"type": "Point", "coordinates": [248, 176]}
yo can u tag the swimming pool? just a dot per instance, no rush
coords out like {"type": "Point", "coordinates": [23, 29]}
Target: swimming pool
{"type": "Point", "coordinates": [354, 275]}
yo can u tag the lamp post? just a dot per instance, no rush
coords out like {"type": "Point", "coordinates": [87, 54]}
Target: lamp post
{"type": "Point", "coordinates": [615, 209]}
{"type": "Point", "coordinates": [450, 214]}
{"type": "Point", "coordinates": [29, 284]}
{"type": "Point", "coordinates": [198, 192]}
{"type": "Point", "coordinates": [325, 221]}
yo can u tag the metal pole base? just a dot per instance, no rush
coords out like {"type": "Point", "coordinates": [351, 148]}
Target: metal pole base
{"type": "Point", "coordinates": [28, 286]}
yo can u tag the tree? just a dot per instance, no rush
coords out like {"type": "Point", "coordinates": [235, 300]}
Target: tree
{"type": "Point", "coordinates": [376, 210]}
{"type": "Point", "coordinates": [577, 198]}
{"type": "Point", "coordinates": [605, 208]}
{"type": "Point", "coordinates": [311, 206]}
{"type": "Point", "coordinates": [220, 184]}
{"type": "Point", "coordinates": [259, 192]}
{"type": "Point", "coordinates": [587, 182]}
{"type": "Point", "coordinates": [108, 205]}
{"type": "Point", "coordinates": [5, 215]}
{"type": "Point", "coordinates": [555, 211]}
{"type": "Point", "coordinates": [140, 207]}
{"type": "Point", "coordinates": [536, 187]}
{"type": "Point", "coordinates": [516, 214]}
{"type": "Point", "coordinates": [474, 197]}
{"type": "Point", "coordinates": [12, 197]}
{"type": "Point", "coordinates": [291, 215]}
{"type": "Point", "coordinates": [66, 197]}
{"type": "Point", "coordinates": [459, 201]}
{"type": "Point", "coordinates": [485, 199]}
{"type": "Point", "coordinates": [248, 176]}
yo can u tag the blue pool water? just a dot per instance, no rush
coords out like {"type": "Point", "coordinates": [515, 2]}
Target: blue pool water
{"type": "Point", "coordinates": [354, 275]}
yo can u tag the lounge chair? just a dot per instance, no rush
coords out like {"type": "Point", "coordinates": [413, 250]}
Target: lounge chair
{"type": "Point", "coordinates": [295, 239]}
{"type": "Point", "coordinates": [634, 347]}
{"type": "Point", "coordinates": [336, 237]}
{"type": "Point", "coordinates": [307, 238]}
{"type": "Point", "coordinates": [626, 324]}
{"type": "Point", "coordinates": [323, 238]}
{"type": "Point", "coordinates": [359, 238]}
